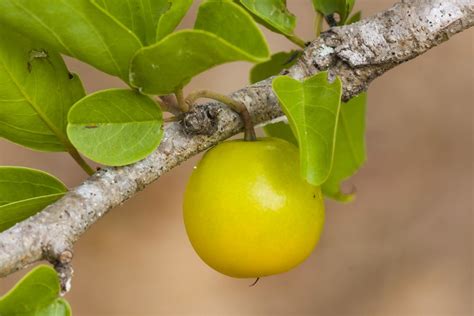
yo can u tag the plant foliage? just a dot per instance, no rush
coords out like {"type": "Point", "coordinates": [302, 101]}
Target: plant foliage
{"type": "Point", "coordinates": [44, 107]}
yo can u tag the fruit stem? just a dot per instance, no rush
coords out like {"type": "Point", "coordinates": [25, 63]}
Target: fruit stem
{"type": "Point", "coordinates": [255, 282]}
{"type": "Point", "coordinates": [240, 108]}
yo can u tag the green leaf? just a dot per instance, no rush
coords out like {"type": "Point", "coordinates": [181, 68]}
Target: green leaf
{"type": "Point", "coordinates": [115, 127]}
{"type": "Point", "coordinates": [76, 28]}
{"type": "Point", "coordinates": [233, 24]}
{"type": "Point", "coordinates": [35, 295]}
{"type": "Point", "coordinates": [312, 107]}
{"type": "Point", "coordinates": [341, 7]}
{"type": "Point", "coordinates": [354, 18]}
{"type": "Point", "coordinates": [224, 33]}
{"type": "Point", "coordinates": [16, 212]}
{"type": "Point", "coordinates": [36, 92]}
{"type": "Point", "coordinates": [60, 307]}
{"type": "Point", "coordinates": [171, 18]}
{"type": "Point", "coordinates": [274, 66]}
{"type": "Point", "coordinates": [24, 192]}
{"type": "Point", "coordinates": [149, 20]}
{"type": "Point", "coordinates": [139, 16]}
{"type": "Point", "coordinates": [350, 153]}
{"type": "Point", "coordinates": [273, 13]}
{"type": "Point", "coordinates": [18, 183]}
{"type": "Point", "coordinates": [280, 130]}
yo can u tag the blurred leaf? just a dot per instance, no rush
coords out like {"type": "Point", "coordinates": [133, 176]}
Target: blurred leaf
{"type": "Point", "coordinates": [76, 28]}
{"type": "Point", "coordinates": [354, 18]}
{"type": "Point", "coordinates": [18, 183]}
{"type": "Point", "coordinates": [36, 92]}
{"type": "Point", "coordinates": [139, 16]}
{"type": "Point", "coordinates": [24, 192]}
{"type": "Point", "coordinates": [233, 24]}
{"type": "Point", "coordinates": [280, 130]}
{"type": "Point", "coordinates": [16, 212]}
{"type": "Point", "coordinates": [60, 307]}
{"type": "Point", "coordinates": [350, 153]}
{"type": "Point", "coordinates": [115, 127]}
{"type": "Point", "coordinates": [224, 33]}
{"type": "Point", "coordinates": [341, 7]}
{"type": "Point", "coordinates": [274, 66]}
{"type": "Point", "coordinates": [171, 18]}
{"type": "Point", "coordinates": [36, 294]}
{"type": "Point", "coordinates": [312, 107]}
{"type": "Point", "coordinates": [273, 13]}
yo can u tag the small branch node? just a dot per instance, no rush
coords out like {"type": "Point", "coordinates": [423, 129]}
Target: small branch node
{"type": "Point", "coordinates": [65, 257]}
{"type": "Point", "coordinates": [62, 265]}
{"type": "Point", "coordinates": [237, 106]}
{"type": "Point", "coordinates": [65, 274]}
{"type": "Point", "coordinates": [201, 120]}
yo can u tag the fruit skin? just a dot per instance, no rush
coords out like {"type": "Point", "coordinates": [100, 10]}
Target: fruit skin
{"type": "Point", "coordinates": [247, 211]}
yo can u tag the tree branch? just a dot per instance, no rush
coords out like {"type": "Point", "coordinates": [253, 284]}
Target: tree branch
{"type": "Point", "coordinates": [357, 53]}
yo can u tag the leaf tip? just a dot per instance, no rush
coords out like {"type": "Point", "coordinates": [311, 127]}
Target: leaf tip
{"type": "Point", "coordinates": [342, 197]}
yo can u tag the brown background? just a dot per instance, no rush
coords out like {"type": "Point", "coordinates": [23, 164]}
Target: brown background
{"type": "Point", "coordinates": [404, 247]}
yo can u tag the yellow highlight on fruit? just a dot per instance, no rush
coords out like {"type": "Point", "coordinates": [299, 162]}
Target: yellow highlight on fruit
{"type": "Point", "coordinates": [247, 211]}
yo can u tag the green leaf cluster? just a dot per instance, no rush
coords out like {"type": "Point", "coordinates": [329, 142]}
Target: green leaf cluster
{"type": "Point", "coordinates": [131, 39]}
{"type": "Point", "coordinates": [223, 32]}
{"type": "Point", "coordinates": [37, 90]}
{"type": "Point", "coordinates": [37, 294]}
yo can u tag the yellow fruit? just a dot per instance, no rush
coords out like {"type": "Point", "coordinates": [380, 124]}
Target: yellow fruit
{"type": "Point", "coordinates": [247, 211]}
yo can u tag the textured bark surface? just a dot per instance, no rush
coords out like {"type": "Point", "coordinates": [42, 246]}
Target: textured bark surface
{"type": "Point", "coordinates": [357, 53]}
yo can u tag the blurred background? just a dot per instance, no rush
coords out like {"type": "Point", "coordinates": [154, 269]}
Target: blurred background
{"type": "Point", "coordinates": [404, 247]}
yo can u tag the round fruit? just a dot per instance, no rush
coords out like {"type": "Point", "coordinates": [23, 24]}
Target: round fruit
{"type": "Point", "coordinates": [247, 211]}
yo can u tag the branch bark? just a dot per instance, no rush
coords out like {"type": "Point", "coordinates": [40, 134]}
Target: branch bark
{"type": "Point", "coordinates": [357, 53]}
